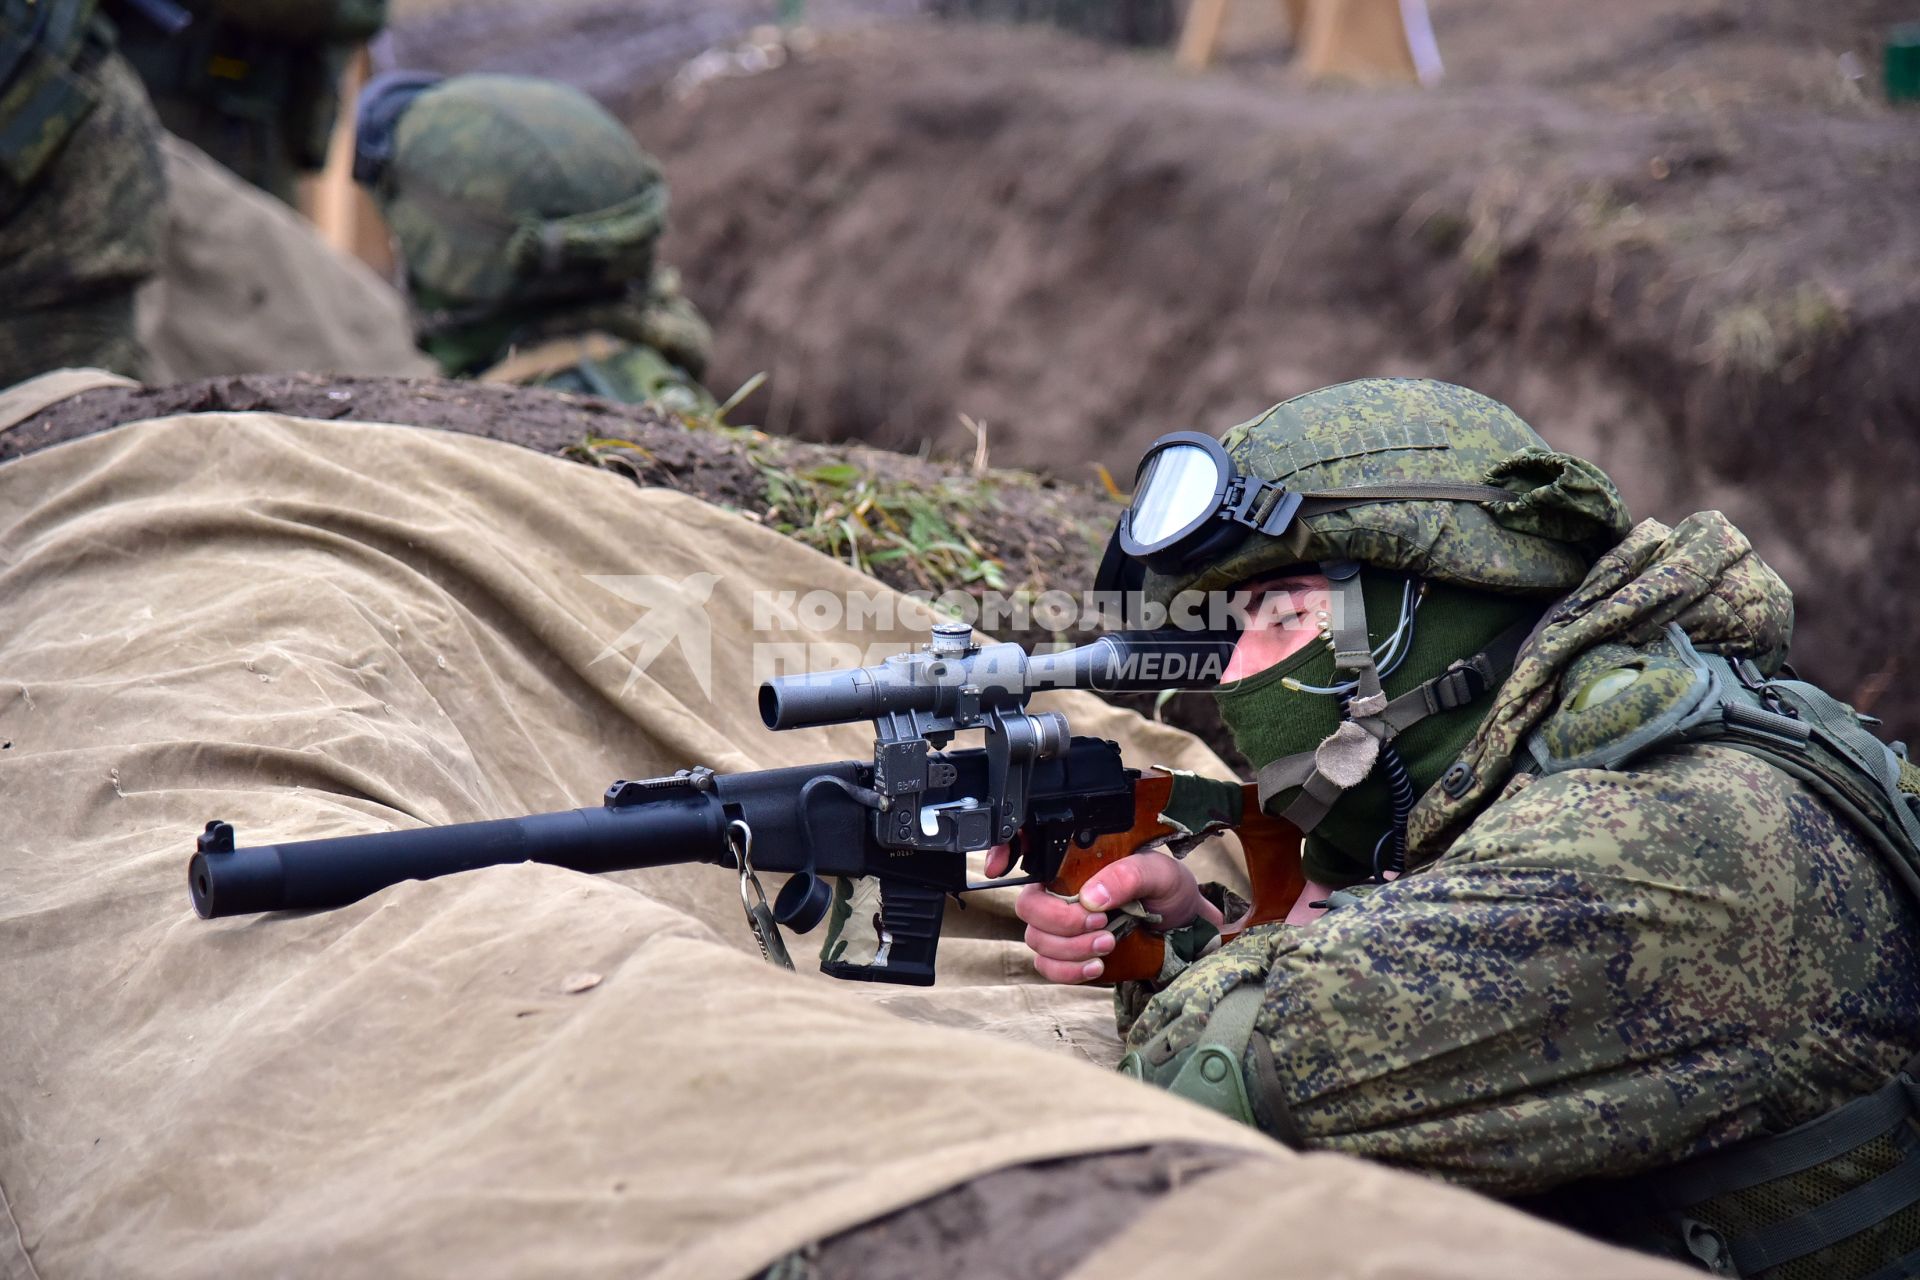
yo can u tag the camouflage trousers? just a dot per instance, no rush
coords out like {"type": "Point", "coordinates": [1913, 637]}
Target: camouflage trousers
{"type": "Point", "coordinates": [1608, 972]}
{"type": "Point", "coordinates": [77, 243]}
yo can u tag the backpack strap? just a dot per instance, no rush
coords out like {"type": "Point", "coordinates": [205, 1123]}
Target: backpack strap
{"type": "Point", "coordinates": [1794, 726]}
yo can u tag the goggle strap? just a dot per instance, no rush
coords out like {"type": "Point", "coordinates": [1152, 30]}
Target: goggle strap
{"type": "Point", "coordinates": [1275, 510]}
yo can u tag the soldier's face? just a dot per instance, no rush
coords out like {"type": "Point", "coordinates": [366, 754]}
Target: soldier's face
{"type": "Point", "coordinates": [1284, 616]}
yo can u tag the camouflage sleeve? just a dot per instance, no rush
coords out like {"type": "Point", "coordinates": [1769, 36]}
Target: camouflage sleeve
{"type": "Point", "coordinates": [1607, 972]}
{"type": "Point", "coordinates": [673, 326]}
{"type": "Point", "coordinates": [76, 244]}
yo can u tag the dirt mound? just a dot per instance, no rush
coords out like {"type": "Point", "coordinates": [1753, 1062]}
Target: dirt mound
{"type": "Point", "coordinates": [1085, 251]}
{"type": "Point", "coordinates": [1678, 237]}
{"type": "Point", "coordinates": [942, 530]}
{"type": "Point", "coordinates": [1004, 527]}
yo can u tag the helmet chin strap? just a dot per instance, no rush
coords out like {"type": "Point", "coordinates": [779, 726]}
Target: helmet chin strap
{"type": "Point", "coordinates": [1345, 757]}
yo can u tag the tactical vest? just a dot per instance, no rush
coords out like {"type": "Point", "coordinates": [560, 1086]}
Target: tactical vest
{"type": "Point", "coordinates": [44, 45]}
{"type": "Point", "coordinates": [1837, 1198]}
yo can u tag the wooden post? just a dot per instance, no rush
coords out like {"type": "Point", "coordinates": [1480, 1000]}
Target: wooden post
{"type": "Point", "coordinates": [1372, 41]}
{"type": "Point", "coordinates": [1200, 35]}
{"type": "Point", "coordinates": [344, 214]}
{"type": "Point", "coordinates": [1297, 22]}
{"type": "Point", "coordinates": [1365, 40]}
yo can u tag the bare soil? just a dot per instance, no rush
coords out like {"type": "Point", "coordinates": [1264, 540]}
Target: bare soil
{"type": "Point", "coordinates": [1036, 527]}
{"type": "Point", "coordinates": [1679, 236]}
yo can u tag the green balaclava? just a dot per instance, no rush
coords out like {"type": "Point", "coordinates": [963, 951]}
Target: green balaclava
{"type": "Point", "coordinates": [1271, 718]}
{"type": "Point", "coordinates": [1415, 482]}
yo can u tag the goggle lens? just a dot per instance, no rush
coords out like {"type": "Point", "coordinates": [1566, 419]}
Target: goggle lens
{"type": "Point", "coordinates": [1179, 486]}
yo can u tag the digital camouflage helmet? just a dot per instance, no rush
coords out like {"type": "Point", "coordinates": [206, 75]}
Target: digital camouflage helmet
{"type": "Point", "coordinates": [1405, 474]}
{"type": "Point", "coordinates": [507, 190]}
{"type": "Point", "coordinates": [1436, 506]}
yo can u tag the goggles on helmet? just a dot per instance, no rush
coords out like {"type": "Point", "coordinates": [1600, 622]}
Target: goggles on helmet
{"type": "Point", "coordinates": [1192, 504]}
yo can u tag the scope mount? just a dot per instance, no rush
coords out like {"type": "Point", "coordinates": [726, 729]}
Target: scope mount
{"type": "Point", "coordinates": [907, 746]}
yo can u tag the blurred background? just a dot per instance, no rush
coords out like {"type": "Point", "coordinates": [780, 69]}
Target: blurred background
{"type": "Point", "coordinates": [1679, 236]}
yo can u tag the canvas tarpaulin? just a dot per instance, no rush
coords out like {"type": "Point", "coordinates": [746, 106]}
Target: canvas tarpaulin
{"type": "Point", "coordinates": [246, 285]}
{"type": "Point", "coordinates": [312, 629]}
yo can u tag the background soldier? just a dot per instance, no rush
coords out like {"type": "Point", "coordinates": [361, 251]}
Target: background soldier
{"type": "Point", "coordinates": [253, 83]}
{"type": "Point", "coordinates": [526, 218]}
{"type": "Point", "coordinates": [81, 192]}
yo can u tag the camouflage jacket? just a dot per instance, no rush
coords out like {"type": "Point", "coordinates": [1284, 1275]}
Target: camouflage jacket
{"type": "Point", "coordinates": [1595, 972]}
{"type": "Point", "coordinates": [652, 350]}
{"type": "Point", "coordinates": [83, 235]}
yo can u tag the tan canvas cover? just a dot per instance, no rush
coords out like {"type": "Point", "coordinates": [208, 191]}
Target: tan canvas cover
{"type": "Point", "coordinates": [311, 629]}
{"type": "Point", "coordinates": [248, 286]}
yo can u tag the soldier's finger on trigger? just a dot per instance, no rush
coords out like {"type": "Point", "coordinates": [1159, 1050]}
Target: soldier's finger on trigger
{"type": "Point", "coordinates": [999, 858]}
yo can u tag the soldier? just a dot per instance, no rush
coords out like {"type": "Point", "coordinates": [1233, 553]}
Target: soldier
{"type": "Point", "coordinates": [1654, 948]}
{"type": "Point", "coordinates": [526, 218]}
{"type": "Point", "coordinates": [81, 192]}
{"type": "Point", "coordinates": [253, 83]}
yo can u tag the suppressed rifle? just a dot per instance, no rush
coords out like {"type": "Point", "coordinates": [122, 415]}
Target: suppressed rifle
{"type": "Point", "coordinates": [1067, 805]}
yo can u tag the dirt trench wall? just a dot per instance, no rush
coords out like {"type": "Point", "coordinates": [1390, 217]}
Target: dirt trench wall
{"type": "Point", "coordinates": [1084, 251]}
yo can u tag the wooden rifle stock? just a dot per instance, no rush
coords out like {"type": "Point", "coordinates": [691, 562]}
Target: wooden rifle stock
{"type": "Point", "coordinates": [1271, 846]}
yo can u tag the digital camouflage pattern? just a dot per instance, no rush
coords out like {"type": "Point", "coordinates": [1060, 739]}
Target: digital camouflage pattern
{"type": "Point", "coordinates": [1702, 574]}
{"type": "Point", "coordinates": [527, 218]}
{"type": "Point", "coordinates": [1614, 694]}
{"type": "Point", "coordinates": [1382, 430]}
{"type": "Point", "coordinates": [81, 237]}
{"type": "Point", "coordinates": [1597, 972]}
{"type": "Point", "coordinates": [43, 94]}
{"type": "Point", "coordinates": [513, 190]}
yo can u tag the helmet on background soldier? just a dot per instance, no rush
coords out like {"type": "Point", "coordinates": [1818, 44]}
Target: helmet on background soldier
{"type": "Point", "coordinates": [503, 191]}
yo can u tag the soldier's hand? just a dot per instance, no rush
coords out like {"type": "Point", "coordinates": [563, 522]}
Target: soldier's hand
{"type": "Point", "coordinates": [1068, 939]}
